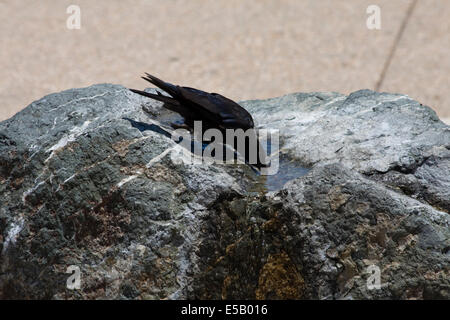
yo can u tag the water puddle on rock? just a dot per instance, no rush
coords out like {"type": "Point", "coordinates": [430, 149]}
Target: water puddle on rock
{"type": "Point", "coordinates": [288, 170]}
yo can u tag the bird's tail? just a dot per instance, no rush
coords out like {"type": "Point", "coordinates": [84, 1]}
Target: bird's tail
{"type": "Point", "coordinates": [167, 87]}
{"type": "Point", "coordinates": [158, 97]}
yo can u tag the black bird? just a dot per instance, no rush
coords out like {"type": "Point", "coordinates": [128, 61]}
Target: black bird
{"type": "Point", "coordinates": [213, 109]}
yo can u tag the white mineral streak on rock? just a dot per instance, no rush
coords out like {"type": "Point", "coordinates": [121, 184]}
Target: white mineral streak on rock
{"type": "Point", "coordinates": [128, 179]}
{"type": "Point", "coordinates": [148, 165]}
{"type": "Point", "coordinates": [13, 233]}
{"type": "Point", "coordinates": [74, 133]}
{"type": "Point", "coordinates": [31, 190]}
{"type": "Point", "coordinates": [82, 99]}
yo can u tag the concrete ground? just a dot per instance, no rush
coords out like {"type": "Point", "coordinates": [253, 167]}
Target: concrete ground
{"type": "Point", "coordinates": [243, 49]}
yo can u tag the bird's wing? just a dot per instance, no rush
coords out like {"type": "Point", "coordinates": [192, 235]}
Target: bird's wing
{"type": "Point", "coordinates": [212, 106]}
{"type": "Point", "coordinates": [218, 108]}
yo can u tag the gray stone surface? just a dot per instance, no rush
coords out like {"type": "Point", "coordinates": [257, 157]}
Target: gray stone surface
{"type": "Point", "coordinates": [86, 180]}
{"type": "Point", "coordinates": [388, 136]}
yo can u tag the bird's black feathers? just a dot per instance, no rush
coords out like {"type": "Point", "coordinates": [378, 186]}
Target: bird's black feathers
{"type": "Point", "coordinates": [158, 97]}
{"type": "Point", "coordinates": [215, 110]}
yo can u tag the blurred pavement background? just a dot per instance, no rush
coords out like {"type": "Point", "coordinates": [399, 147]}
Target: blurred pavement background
{"type": "Point", "coordinates": [243, 49]}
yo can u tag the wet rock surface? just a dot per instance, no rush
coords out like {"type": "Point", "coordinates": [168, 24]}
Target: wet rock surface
{"type": "Point", "coordinates": [87, 178]}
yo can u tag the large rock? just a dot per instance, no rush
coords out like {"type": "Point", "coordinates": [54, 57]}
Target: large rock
{"type": "Point", "coordinates": [89, 179]}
